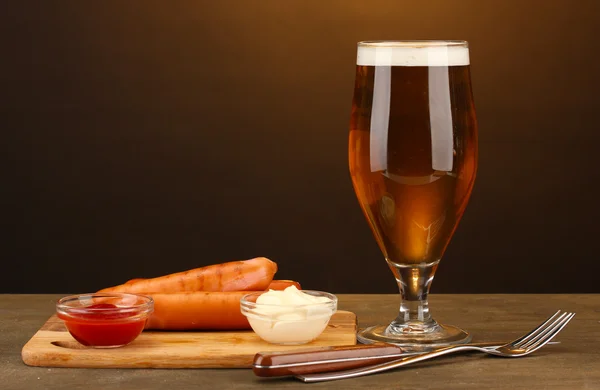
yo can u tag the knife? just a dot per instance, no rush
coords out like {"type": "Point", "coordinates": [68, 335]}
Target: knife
{"type": "Point", "coordinates": [327, 359]}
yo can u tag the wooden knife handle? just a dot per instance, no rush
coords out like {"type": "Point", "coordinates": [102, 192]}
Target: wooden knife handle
{"type": "Point", "coordinates": [308, 361]}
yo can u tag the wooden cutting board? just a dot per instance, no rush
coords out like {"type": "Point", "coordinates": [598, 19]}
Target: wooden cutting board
{"type": "Point", "coordinates": [53, 346]}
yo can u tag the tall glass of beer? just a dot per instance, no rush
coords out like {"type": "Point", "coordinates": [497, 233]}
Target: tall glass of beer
{"type": "Point", "coordinates": [413, 159]}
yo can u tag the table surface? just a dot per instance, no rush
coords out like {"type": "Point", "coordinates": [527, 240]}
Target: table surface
{"type": "Point", "coordinates": [572, 364]}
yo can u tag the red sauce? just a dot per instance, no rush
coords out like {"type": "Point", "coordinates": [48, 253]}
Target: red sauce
{"type": "Point", "coordinates": [103, 328]}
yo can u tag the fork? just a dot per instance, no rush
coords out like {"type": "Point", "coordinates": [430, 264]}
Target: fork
{"type": "Point", "coordinates": [522, 346]}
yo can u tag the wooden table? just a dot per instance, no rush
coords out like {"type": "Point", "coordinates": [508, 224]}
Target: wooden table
{"type": "Point", "coordinates": [573, 364]}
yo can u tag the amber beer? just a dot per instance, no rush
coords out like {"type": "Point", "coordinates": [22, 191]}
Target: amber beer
{"type": "Point", "coordinates": [413, 146]}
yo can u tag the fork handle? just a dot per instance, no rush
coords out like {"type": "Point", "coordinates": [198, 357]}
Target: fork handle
{"type": "Point", "coordinates": [386, 366]}
{"type": "Point", "coordinates": [327, 359]}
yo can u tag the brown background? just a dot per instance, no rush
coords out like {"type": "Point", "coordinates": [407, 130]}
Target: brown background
{"type": "Point", "coordinates": [146, 137]}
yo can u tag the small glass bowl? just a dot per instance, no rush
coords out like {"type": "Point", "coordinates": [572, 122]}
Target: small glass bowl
{"type": "Point", "coordinates": [289, 324]}
{"type": "Point", "coordinates": [105, 320]}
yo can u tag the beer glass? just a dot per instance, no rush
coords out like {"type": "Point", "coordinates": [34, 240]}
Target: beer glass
{"type": "Point", "coordinates": [413, 159]}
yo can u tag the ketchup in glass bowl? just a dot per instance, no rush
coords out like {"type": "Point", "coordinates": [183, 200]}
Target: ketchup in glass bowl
{"type": "Point", "coordinates": [105, 320]}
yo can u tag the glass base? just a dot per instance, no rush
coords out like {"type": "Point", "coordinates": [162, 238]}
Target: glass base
{"type": "Point", "coordinates": [415, 340]}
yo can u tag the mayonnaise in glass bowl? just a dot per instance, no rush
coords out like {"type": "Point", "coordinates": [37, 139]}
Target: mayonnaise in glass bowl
{"type": "Point", "coordinates": [289, 317]}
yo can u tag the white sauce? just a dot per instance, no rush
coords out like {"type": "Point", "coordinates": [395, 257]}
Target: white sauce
{"type": "Point", "coordinates": [290, 316]}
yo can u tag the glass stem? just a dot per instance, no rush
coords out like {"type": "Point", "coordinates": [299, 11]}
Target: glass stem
{"type": "Point", "coordinates": [414, 282]}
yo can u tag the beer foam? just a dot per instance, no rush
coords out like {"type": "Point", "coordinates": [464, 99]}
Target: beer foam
{"type": "Point", "coordinates": [426, 53]}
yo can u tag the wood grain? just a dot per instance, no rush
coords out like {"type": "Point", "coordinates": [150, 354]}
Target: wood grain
{"type": "Point", "coordinates": [53, 346]}
{"type": "Point", "coordinates": [571, 365]}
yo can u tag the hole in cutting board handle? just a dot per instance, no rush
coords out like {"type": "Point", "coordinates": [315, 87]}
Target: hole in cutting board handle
{"type": "Point", "coordinates": [70, 344]}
